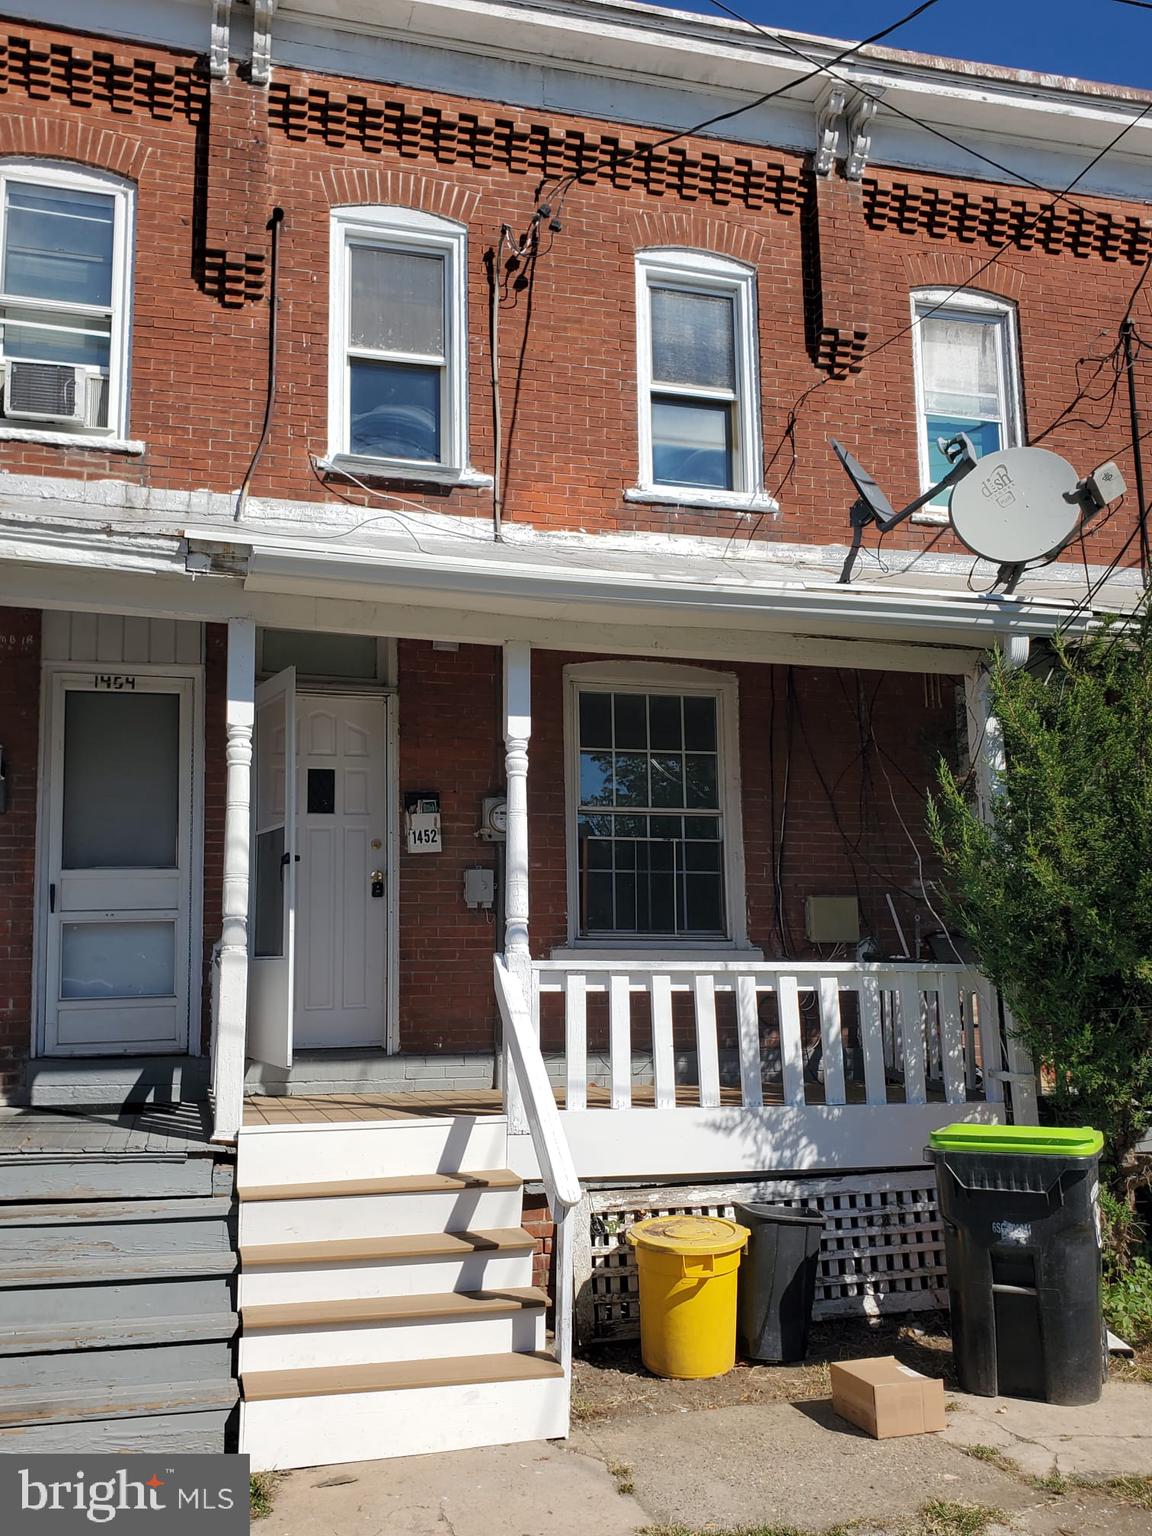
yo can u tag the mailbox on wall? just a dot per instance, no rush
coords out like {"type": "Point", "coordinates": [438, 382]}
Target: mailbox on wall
{"type": "Point", "coordinates": [422, 821]}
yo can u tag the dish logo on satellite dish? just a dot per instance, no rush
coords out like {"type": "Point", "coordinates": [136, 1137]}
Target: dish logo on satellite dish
{"type": "Point", "coordinates": [999, 487]}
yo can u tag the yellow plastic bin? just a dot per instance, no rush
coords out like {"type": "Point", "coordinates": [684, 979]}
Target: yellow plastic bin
{"type": "Point", "coordinates": [688, 1270]}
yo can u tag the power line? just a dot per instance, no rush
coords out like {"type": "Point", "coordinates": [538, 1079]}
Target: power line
{"type": "Point", "coordinates": [566, 183]}
{"type": "Point", "coordinates": [889, 106]}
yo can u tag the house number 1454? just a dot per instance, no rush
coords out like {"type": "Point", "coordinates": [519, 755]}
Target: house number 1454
{"type": "Point", "coordinates": [116, 681]}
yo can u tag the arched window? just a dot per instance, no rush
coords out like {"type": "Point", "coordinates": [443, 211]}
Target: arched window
{"type": "Point", "coordinates": [65, 281]}
{"type": "Point", "coordinates": [698, 375]}
{"type": "Point", "coordinates": [967, 374]}
{"type": "Point", "coordinates": [397, 381]}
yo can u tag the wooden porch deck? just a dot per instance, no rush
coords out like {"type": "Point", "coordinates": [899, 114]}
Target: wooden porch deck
{"type": "Point", "coordinates": [308, 1109]}
{"type": "Point", "coordinates": [173, 1130]}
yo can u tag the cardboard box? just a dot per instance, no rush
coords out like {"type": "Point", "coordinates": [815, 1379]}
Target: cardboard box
{"type": "Point", "coordinates": [886, 1398]}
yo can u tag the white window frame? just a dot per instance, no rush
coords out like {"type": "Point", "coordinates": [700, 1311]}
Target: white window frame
{"type": "Point", "coordinates": [982, 306]}
{"type": "Point", "coordinates": [404, 229]}
{"type": "Point", "coordinates": [702, 272]}
{"type": "Point", "coordinates": [50, 173]}
{"type": "Point", "coordinates": [659, 677]}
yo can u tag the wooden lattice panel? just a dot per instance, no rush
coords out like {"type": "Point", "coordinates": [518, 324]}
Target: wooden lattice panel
{"type": "Point", "coordinates": [882, 1249]}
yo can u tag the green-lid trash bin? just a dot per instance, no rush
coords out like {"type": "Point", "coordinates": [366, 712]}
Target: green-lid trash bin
{"type": "Point", "coordinates": [1022, 1238]}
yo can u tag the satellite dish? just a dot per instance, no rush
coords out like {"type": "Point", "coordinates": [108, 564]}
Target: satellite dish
{"type": "Point", "coordinates": [866, 488]}
{"type": "Point", "coordinates": [1018, 505]}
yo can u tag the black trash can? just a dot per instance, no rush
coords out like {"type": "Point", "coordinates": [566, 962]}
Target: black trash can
{"type": "Point", "coordinates": [1022, 1234]}
{"type": "Point", "coordinates": [777, 1283]}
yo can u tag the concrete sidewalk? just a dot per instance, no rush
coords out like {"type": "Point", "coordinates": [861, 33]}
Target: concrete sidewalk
{"type": "Point", "coordinates": [790, 1464]}
{"type": "Point", "coordinates": [538, 1489]}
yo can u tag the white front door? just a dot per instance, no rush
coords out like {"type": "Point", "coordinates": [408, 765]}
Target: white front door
{"type": "Point", "coordinates": [341, 912]}
{"type": "Point", "coordinates": [119, 860]}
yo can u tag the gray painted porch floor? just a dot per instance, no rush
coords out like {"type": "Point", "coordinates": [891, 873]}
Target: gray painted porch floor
{"type": "Point", "coordinates": [154, 1129]}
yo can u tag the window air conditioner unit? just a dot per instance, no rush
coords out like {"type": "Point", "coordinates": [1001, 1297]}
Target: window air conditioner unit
{"type": "Point", "coordinates": [45, 391]}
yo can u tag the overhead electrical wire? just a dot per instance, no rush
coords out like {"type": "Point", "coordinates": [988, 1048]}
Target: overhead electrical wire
{"type": "Point", "coordinates": [881, 100]}
{"type": "Point", "coordinates": [565, 183]}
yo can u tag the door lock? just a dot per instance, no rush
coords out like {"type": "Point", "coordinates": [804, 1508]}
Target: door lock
{"type": "Point", "coordinates": [377, 879]}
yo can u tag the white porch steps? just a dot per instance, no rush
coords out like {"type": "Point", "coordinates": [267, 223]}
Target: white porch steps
{"type": "Point", "coordinates": [386, 1300]}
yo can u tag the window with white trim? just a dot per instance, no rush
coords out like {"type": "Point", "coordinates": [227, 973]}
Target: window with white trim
{"type": "Point", "coordinates": [65, 239]}
{"type": "Point", "coordinates": [397, 388]}
{"type": "Point", "coordinates": [698, 375]}
{"type": "Point", "coordinates": [654, 805]}
{"type": "Point", "coordinates": [968, 377]}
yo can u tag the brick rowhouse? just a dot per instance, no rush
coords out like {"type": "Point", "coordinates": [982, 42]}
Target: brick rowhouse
{"type": "Point", "coordinates": [835, 263]}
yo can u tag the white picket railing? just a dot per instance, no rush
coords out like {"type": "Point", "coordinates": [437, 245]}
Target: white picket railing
{"type": "Point", "coordinates": [915, 1034]}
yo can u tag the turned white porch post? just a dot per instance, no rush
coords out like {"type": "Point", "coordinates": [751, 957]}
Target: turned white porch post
{"type": "Point", "coordinates": [986, 755]}
{"type": "Point", "coordinates": [232, 991]}
{"type": "Point", "coordinates": [517, 732]}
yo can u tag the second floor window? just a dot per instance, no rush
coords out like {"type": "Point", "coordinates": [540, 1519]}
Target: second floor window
{"type": "Point", "coordinates": [699, 418]}
{"type": "Point", "coordinates": [64, 244]}
{"type": "Point", "coordinates": [968, 376]}
{"type": "Point", "coordinates": [397, 344]}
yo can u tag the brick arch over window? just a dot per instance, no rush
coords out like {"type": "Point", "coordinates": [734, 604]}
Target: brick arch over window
{"type": "Point", "coordinates": [956, 269]}
{"type": "Point", "coordinates": [373, 186]}
{"type": "Point", "coordinates": [694, 231]}
{"type": "Point", "coordinates": [44, 138]}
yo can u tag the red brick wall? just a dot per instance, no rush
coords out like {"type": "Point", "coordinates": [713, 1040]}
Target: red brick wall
{"type": "Point", "coordinates": [861, 750]}
{"type": "Point", "coordinates": [537, 1220]}
{"type": "Point", "coordinates": [19, 736]}
{"type": "Point", "coordinates": [210, 162]}
{"type": "Point", "coordinates": [450, 741]}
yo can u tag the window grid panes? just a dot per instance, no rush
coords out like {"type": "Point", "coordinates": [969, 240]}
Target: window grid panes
{"type": "Point", "coordinates": [397, 344]}
{"type": "Point", "coordinates": [57, 279]}
{"type": "Point", "coordinates": [694, 380]}
{"type": "Point", "coordinates": [649, 822]}
{"type": "Point", "coordinates": [965, 365]}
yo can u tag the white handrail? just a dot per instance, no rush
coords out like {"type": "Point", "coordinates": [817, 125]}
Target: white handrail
{"type": "Point", "coordinates": [556, 1166]}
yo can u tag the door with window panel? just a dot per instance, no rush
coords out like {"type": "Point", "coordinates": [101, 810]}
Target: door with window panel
{"type": "Point", "coordinates": [119, 864]}
{"type": "Point", "coordinates": [61, 272]}
{"type": "Point", "coordinates": [650, 829]}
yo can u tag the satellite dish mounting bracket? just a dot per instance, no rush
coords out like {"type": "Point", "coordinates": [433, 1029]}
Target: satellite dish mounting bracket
{"type": "Point", "coordinates": [871, 504]}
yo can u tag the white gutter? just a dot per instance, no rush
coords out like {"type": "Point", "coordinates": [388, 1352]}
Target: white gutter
{"type": "Point", "coordinates": [583, 592]}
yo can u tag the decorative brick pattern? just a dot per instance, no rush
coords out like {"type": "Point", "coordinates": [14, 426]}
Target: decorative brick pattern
{"type": "Point", "coordinates": [839, 275]}
{"type": "Point", "coordinates": [83, 77]}
{"type": "Point", "coordinates": [953, 213]}
{"type": "Point", "coordinates": [416, 130]}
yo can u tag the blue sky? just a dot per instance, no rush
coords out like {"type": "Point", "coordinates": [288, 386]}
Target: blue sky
{"type": "Point", "coordinates": [1095, 39]}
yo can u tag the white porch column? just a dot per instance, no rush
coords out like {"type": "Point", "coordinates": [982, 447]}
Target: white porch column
{"type": "Point", "coordinates": [230, 1022]}
{"type": "Point", "coordinates": [517, 733]}
{"type": "Point", "coordinates": [986, 755]}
